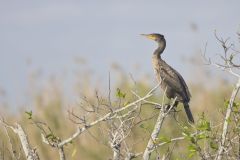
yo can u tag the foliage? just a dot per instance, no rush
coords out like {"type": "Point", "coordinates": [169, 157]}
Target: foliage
{"type": "Point", "coordinates": [105, 131]}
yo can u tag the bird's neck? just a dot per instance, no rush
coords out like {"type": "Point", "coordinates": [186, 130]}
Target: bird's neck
{"type": "Point", "coordinates": [159, 50]}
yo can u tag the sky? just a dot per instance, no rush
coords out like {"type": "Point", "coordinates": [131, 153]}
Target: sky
{"type": "Point", "coordinates": [50, 35]}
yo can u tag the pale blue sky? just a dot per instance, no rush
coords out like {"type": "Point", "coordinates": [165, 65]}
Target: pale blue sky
{"type": "Point", "coordinates": [52, 33]}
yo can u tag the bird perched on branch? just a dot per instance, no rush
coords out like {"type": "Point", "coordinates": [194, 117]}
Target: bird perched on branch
{"type": "Point", "coordinates": [171, 80]}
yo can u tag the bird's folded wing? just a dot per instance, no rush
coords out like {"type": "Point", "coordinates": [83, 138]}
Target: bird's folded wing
{"type": "Point", "coordinates": [174, 80]}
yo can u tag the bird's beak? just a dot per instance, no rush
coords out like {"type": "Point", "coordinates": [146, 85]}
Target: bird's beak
{"type": "Point", "coordinates": [149, 36]}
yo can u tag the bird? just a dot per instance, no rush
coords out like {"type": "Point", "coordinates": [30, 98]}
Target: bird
{"type": "Point", "coordinates": [170, 80]}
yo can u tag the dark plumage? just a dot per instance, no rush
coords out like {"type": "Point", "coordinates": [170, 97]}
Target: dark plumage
{"type": "Point", "coordinates": [172, 81]}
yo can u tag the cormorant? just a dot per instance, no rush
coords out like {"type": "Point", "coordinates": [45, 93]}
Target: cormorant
{"type": "Point", "coordinates": [171, 80]}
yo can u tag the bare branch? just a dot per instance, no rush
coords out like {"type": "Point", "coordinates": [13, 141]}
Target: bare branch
{"type": "Point", "coordinates": [152, 141]}
{"type": "Point", "coordinates": [107, 116]}
{"type": "Point", "coordinates": [30, 153]}
{"type": "Point", "coordinates": [61, 153]}
{"type": "Point", "coordinates": [226, 121]}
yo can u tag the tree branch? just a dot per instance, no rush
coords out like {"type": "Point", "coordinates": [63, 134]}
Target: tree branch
{"type": "Point", "coordinates": [107, 116]}
{"type": "Point", "coordinates": [152, 141]}
{"type": "Point", "coordinates": [30, 153]}
{"type": "Point", "coordinates": [226, 121]}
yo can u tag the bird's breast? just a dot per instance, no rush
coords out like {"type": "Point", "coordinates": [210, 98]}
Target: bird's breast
{"type": "Point", "coordinates": [157, 68]}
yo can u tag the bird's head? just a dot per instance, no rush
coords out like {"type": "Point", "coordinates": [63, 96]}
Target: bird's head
{"type": "Point", "coordinates": [159, 38]}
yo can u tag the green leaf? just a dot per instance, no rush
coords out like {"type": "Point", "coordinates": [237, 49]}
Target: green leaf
{"type": "Point", "coordinates": [141, 126]}
{"type": "Point", "coordinates": [228, 120]}
{"type": "Point", "coordinates": [186, 133]}
{"type": "Point", "coordinates": [120, 94]}
{"type": "Point", "coordinates": [29, 114]}
{"type": "Point", "coordinates": [191, 154]}
{"type": "Point", "coordinates": [226, 103]}
{"type": "Point", "coordinates": [155, 141]}
{"type": "Point", "coordinates": [192, 139]}
{"type": "Point", "coordinates": [192, 148]}
{"type": "Point", "coordinates": [203, 124]}
{"type": "Point", "coordinates": [237, 129]}
{"type": "Point", "coordinates": [202, 136]}
{"type": "Point", "coordinates": [213, 145]}
{"type": "Point", "coordinates": [236, 107]}
{"type": "Point", "coordinates": [164, 139]}
{"type": "Point", "coordinates": [235, 104]}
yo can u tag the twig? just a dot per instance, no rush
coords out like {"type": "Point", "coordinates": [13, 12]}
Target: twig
{"type": "Point", "coordinates": [107, 116]}
{"type": "Point", "coordinates": [226, 121]}
{"type": "Point", "coordinates": [132, 155]}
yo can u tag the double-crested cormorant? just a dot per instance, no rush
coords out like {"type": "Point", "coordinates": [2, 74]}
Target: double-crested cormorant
{"type": "Point", "coordinates": [171, 80]}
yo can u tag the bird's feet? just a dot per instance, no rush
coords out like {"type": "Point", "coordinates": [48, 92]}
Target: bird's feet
{"type": "Point", "coordinates": [167, 107]}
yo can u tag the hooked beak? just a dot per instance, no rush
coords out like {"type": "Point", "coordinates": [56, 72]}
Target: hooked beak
{"type": "Point", "coordinates": [149, 36]}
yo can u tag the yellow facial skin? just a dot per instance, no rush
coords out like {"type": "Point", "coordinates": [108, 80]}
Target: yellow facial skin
{"type": "Point", "coordinates": [149, 36]}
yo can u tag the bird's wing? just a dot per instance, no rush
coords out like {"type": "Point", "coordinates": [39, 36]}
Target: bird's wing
{"type": "Point", "coordinates": [173, 79]}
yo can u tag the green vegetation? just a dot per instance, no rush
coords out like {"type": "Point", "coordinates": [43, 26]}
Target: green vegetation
{"type": "Point", "coordinates": [122, 118]}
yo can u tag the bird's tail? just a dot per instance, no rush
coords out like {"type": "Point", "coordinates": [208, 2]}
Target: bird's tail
{"type": "Point", "coordinates": [188, 112]}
